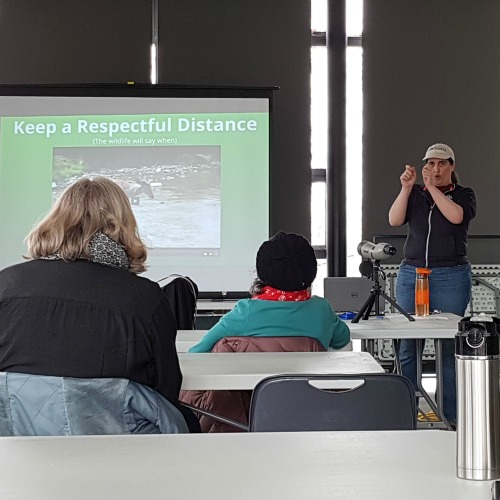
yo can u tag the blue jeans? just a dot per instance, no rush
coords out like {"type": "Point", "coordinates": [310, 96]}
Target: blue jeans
{"type": "Point", "coordinates": [450, 289]}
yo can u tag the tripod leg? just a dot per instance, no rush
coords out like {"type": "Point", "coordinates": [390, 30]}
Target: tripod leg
{"type": "Point", "coordinates": [397, 306]}
{"type": "Point", "coordinates": [369, 309]}
{"type": "Point", "coordinates": [365, 309]}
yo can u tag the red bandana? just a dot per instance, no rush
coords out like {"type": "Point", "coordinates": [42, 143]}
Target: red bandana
{"type": "Point", "coordinates": [270, 293]}
{"type": "Point", "coordinates": [449, 187]}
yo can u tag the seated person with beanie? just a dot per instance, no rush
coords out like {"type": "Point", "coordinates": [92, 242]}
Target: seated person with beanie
{"type": "Point", "coordinates": [281, 303]}
{"type": "Point", "coordinates": [282, 315]}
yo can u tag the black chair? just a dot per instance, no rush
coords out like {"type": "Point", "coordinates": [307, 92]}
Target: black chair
{"type": "Point", "coordinates": [333, 403]}
{"type": "Point", "coordinates": [182, 294]}
{"type": "Point", "coordinates": [286, 403]}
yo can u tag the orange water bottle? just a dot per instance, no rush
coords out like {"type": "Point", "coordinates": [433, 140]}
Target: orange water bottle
{"type": "Point", "coordinates": [422, 297]}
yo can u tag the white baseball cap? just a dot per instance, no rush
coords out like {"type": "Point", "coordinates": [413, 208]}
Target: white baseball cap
{"type": "Point", "coordinates": [441, 151]}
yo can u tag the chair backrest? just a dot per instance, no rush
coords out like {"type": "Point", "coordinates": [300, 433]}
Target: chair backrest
{"type": "Point", "coordinates": [182, 294]}
{"type": "Point", "coordinates": [39, 405]}
{"type": "Point", "coordinates": [336, 403]}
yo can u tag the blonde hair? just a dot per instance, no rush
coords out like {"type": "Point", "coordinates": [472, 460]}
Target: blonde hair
{"type": "Point", "coordinates": [88, 206]}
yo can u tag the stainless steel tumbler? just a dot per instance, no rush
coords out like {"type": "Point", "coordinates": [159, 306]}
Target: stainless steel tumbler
{"type": "Point", "coordinates": [477, 358]}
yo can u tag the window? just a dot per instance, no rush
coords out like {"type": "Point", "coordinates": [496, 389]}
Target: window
{"type": "Point", "coordinates": [319, 129]}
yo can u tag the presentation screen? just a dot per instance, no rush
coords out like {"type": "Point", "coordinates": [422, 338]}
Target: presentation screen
{"type": "Point", "coordinates": [193, 161]}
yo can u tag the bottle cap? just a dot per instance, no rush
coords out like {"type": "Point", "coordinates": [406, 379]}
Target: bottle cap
{"type": "Point", "coordinates": [423, 270]}
{"type": "Point", "coordinates": [478, 337]}
{"type": "Point", "coordinates": [482, 317]}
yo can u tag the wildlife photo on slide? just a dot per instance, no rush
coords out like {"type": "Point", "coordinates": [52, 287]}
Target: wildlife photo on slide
{"type": "Point", "coordinates": [175, 191]}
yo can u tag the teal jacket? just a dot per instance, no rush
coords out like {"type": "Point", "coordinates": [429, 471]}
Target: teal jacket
{"type": "Point", "coordinates": [264, 318]}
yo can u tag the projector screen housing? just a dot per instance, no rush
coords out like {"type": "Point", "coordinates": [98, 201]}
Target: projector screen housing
{"type": "Point", "coordinates": [194, 162]}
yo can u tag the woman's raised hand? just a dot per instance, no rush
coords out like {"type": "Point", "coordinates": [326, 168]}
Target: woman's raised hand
{"type": "Point", "coordinates": [408, 177]}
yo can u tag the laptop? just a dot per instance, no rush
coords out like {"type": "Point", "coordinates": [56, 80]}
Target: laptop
{"type": "Point", "coordinates": [349, 294]}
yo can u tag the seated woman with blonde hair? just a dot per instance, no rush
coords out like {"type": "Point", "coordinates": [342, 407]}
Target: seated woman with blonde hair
{"type": "Point", "coordinates": [78, 308]}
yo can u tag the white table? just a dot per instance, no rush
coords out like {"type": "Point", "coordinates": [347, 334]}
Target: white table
{"type": "Point", "coordinates": [243, 370]}
{"type": "Point", "coordinates": [188, 338]}
{"type": "Point", "coordinates": [215, 305]}
{"type": "Point", "coordinates": [396, 465]}
{"type": "Point", "coordinates": [391, 326]}
{"type": "Point", "coordinates": [396, 326]}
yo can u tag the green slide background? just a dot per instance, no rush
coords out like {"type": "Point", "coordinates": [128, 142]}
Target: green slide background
{"type": "Point", "coordinates": [26, 175]}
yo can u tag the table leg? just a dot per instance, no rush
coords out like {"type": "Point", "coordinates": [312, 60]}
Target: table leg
{"type": "Point", "coordinates": [438, 410]}
{"type": "Point", "coordinates": [397, 362]}
{"type": "Point", "coordinates": [439, 381]}
{"type": "Point", "coordinates": [368, 346]}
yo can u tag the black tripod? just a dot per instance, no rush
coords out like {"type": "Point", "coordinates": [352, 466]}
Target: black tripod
{"type": "Point", "coordinates": [373, 298]}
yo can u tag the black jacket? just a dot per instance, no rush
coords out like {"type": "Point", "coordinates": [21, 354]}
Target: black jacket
{"type": "Point", "coordinates": [182, 293]}
{"type": "Point", "coordinates": [82, 319]}
{"type": "Point", "coordinates": [432, 240]}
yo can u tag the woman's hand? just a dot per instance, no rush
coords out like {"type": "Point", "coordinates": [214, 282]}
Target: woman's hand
{"type": "Point", "coordinates": [397, 213]}
{"type": "Point", "coordinates": [427, 176]}
{"type": "Point", "coordinates": [408, 177]}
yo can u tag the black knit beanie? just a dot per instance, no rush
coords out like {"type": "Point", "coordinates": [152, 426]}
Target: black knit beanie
{"type": "Point", "coordinates": [287, 262]}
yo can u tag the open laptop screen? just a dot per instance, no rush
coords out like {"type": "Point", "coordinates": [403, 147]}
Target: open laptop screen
{"type": "Point", "coordinates": [349, 294]}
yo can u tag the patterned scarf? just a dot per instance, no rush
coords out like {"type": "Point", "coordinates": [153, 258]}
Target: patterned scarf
{"type": "Point", "coordinates": [270, 293]}
{"type": "Point", "coordinates": [107, 252]}
{"type": "Point", "coordinates": [103, 250]}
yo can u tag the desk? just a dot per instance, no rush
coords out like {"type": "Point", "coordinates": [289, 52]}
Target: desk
{"type": "Point", "coordinates": [396, 326]}
{"type": "Point", "coordinates": [215, 305]}
{"type": "Point", "coordinates": [188, 338]}
{"type": "Point", "coordinates": [393, 326]}
{"type": "Point", "coordinates": [209, 312]}
{"type": "Point", "coordinates": [396, 465]}
{"type": "Point", "coordinates": [243, 370]}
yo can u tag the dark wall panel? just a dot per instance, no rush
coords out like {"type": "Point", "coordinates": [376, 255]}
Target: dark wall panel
{"type": "Point", "coordinates": [74, 41]}
{"type": "Point", "coordinates": [431, 74]}
{"type": "Point", "coordinates": [251, 43]}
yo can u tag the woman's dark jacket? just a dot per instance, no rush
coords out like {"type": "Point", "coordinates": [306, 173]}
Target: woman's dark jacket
{"type": "Point", "coordinates": [432, 240]}
{"type": "Point", "coordinates": [82, 319]}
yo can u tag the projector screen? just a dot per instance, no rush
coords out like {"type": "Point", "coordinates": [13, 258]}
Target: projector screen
{"type": "Point", "coordinates": [194, 163]}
